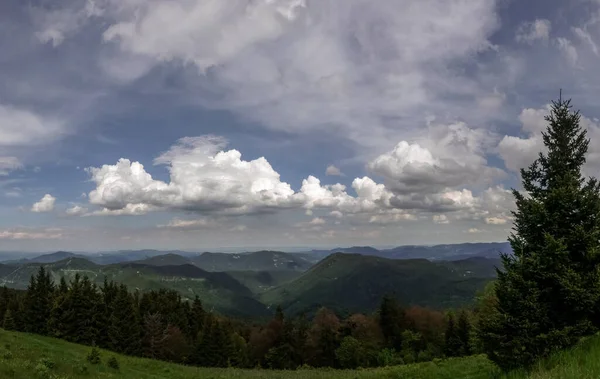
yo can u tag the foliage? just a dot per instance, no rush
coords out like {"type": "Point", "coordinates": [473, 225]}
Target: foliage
{"type": "Point", "coordinates": [94, 356]}
{"type": "Point", "coordinates": [113, 363]}
{"type": "Point", "coordinates": [28, 348]}
{"type": "Point", "coordinates": [548, 292]}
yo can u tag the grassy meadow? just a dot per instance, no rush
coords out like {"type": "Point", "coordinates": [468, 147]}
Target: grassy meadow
{"type": "Point", "coordinates": [27, 356]}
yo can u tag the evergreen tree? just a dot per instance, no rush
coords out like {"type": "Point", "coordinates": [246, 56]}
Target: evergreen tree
{"type": "Point", "coordinates": [453, 344]}
{"type": "Point", "coordinates": [392, 322]}
{"type": "Point", "coordinates": [124, 331]}
{"type": "Point", "coordinates": [38, 302]}
{"type": "Point", "coordinates": [196, 318]}
{"type": "Point", "coordinates": [463, 333]}
{"type": "Point", "coordinates": [154, 336]}
{"type": "Point", "coordinates": [548, 291]}
{"type": "Point", "coordinates": [8, 322]}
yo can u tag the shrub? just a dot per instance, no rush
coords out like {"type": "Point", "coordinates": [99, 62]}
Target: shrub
{"type": "Point", "coordinates": [94, 356]}
{"type": "Point", "coordinates": [7, 355]}
{"type": "Point", "coordinates": [113, 363]}
{"type": "Point", "coordinates": [82, 369]}
{"type": "Point", "coordinates": [48, 363]}
{"type": "Point", "coordinates": [42, 372]}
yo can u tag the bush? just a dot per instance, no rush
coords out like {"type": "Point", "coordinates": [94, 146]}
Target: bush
{"type": "Point", "coordinates": [42, 372]}
{"type": "Point", "coordinates": [48, 363]}
{"type": "Point", "coordinates": [94, 356]}
{"type": "Point", "coordinates": [7, 355]}
{"type": "Point", "coordinates": [113, 363]}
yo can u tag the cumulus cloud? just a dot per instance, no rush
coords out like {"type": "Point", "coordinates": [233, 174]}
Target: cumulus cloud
{"type": "Point", "coordinates": [450, 156]}
{"type": "Point", "coordinates": [533, 31]}
{"type": "Point", "coordinates": [474, 230]}
{"type": "Point", "coordinates": [46, 204]}
{"type": "Point", "coordinates": [520, 152]}
{"type": "Point", "coordinates": [333, 171]}
{"type": "Point", "coordinates": [76, 210]}
{"type": "Point", "coordinates": [202, 178]}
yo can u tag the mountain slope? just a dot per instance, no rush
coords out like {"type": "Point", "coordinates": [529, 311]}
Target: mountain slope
{"type": "Point", "coordinates": [255, 261]}
{"type": "Point", "coordinates": [218, 291]}
{"type": "Point", "coordinates": [356, 283]}
{"type": "Point", "coordinates": [261, 281]}
{"type": "Point", "coordinates": [165, 260]}
{"type": "Point", "coordinates": [27, 351]}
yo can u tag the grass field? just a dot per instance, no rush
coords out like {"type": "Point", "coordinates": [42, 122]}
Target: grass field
{"type": "Point", "coordinates": [27, 356]}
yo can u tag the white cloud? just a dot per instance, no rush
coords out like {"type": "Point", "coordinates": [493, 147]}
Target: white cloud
{"type": "Point", "coordinates": [495, 221]}
{"type": "Point", "coordinates": [449, 156]}
{"type": "Point", "coordinates": [440, 219]}
{"type": "Point", "coordinates": [520, 152]}
{"type": "Point", "coordinates": [333, 171]}
{"type": "Point", "coordinates": [8, 164]}
{"type": "Point", "coordinates": [46, 204]}
{"type": "Point", "coordinates": [203, 178]}
{"type": "Point", "coordinates": [533, 31]}
{"type": "Point", "coordinates": [76, 210]}
{"type": "Point", "coordinates": [190, 224]}
{"type": "Point", "coordinates": [585, 36]}
{"type": "Point", "coordinates": [474, 230]}
{"type": "Point", "coordinates": [21, 127]}
{"type": "Point", "coordinates": [30, 234]}
{"type": "Point", "coordinates": [298, 65]}
{"type": "Point", "coordinates": [569, 51]}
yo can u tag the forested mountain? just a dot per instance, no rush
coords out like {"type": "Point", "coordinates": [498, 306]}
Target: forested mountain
{"type": "Point", "coordinates": [353, 282]}
{"type": "Point", "coordinates": [165, 260]}
{"type": "Point", "coordinates": [256, 261]}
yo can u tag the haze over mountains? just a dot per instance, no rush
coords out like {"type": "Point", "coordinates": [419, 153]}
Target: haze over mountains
{"type": "Point", "coordinates": [351, 279]}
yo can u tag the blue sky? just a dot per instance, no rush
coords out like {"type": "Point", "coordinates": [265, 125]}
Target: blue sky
{"type": "Point", "coordinates": [198, 124]}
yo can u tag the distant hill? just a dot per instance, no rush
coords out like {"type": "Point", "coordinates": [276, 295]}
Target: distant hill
{"type": "Point", "coordinates": [445, 252]}
{"type": "Point", "coordinates": [110, 257]}
{"type": "Point", "coordinates": [165, 260]}
{"type": "Point", "coordinates": [262, 281]}
{"type": "Point", "coordinates": [255, 261]}
{"type": "Point", "coordinates": [47, 258]}
{"type": "Point", "coordinates": [356, 283]}
{"type": "Point", "coordinates": [218, 291]}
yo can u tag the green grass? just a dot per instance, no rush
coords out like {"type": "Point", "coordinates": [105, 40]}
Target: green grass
{"type": "Point", "coordinates": [23, 356]}
{"type": "Point", "coordinates": [580, 362]}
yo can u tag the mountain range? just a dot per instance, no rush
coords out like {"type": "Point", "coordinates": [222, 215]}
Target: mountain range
{"type": "Point", "coordinates": [250, 284]}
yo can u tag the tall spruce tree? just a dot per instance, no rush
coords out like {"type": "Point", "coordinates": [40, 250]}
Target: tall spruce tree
{"type": "Point", "coordinates": [548, 292]}
{"type": "Point", "coordinates": [38, 302]}
{"type": "Point", "coordinates": [452, 345]}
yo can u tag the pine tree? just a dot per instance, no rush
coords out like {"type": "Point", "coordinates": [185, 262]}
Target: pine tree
{"type": "Point", "coordinates": [154, 336]}
{"type": "Point", "coordinates": [549, 289]}
{"type": "Point", "coordinates": [453, 345]}
{"type": "Point", "coordinates": [196, 318]}
{"type": "Point", "coordinates": [8, 322]}
{"type": "Point", "coordinates": [463, 332]}
{"type": "Point", "coordinates": [392, 322]}
{"type": "Point", "coordinates": [124, 331]}
{"type": "Point", "coordinates": [38, 302]}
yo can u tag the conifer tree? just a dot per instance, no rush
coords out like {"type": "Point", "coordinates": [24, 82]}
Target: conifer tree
{"type": "Point", "coordinates": [463, 332]}
{"type": "Point", "coordinates": [9, 322]}
{"type": "Point", "coordinates": [392, 322]}
{"type": "Point", "coordinates": [124, 330]}
{"type": "Point", "coordinates": [549, 288]}
{"type": "Point", "coordinates": [38, 302]}
{"type": "Point", "coordinates": [453, 345]}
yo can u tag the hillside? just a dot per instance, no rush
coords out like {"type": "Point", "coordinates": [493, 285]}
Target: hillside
{"type": "Point", "coordinates": [356, 283]}
{"type": "Point", "coordinates": [165, 260]}
{"type": "Point", "coordinates": [262, 281]}
{"type": "Point", "coordinates": [256, 261]}
{"type": "Point", "coordinates": [26, 356]}
{"type": "Point", "coordinates": [218, 291]}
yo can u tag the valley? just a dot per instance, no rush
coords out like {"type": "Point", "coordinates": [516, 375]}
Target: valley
{"type": "Point", "coordinates": [251, 285]}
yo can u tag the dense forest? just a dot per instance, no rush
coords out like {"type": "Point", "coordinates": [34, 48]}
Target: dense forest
{"type": "Point", "coordinates": [160, 325]}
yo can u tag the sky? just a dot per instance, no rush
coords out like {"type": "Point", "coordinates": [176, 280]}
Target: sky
{"type": "Point", "coordinates": [199, 124]}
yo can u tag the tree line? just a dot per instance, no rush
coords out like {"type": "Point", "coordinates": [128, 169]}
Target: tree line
{"type": "Point", "coordinates": [161, 325]}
